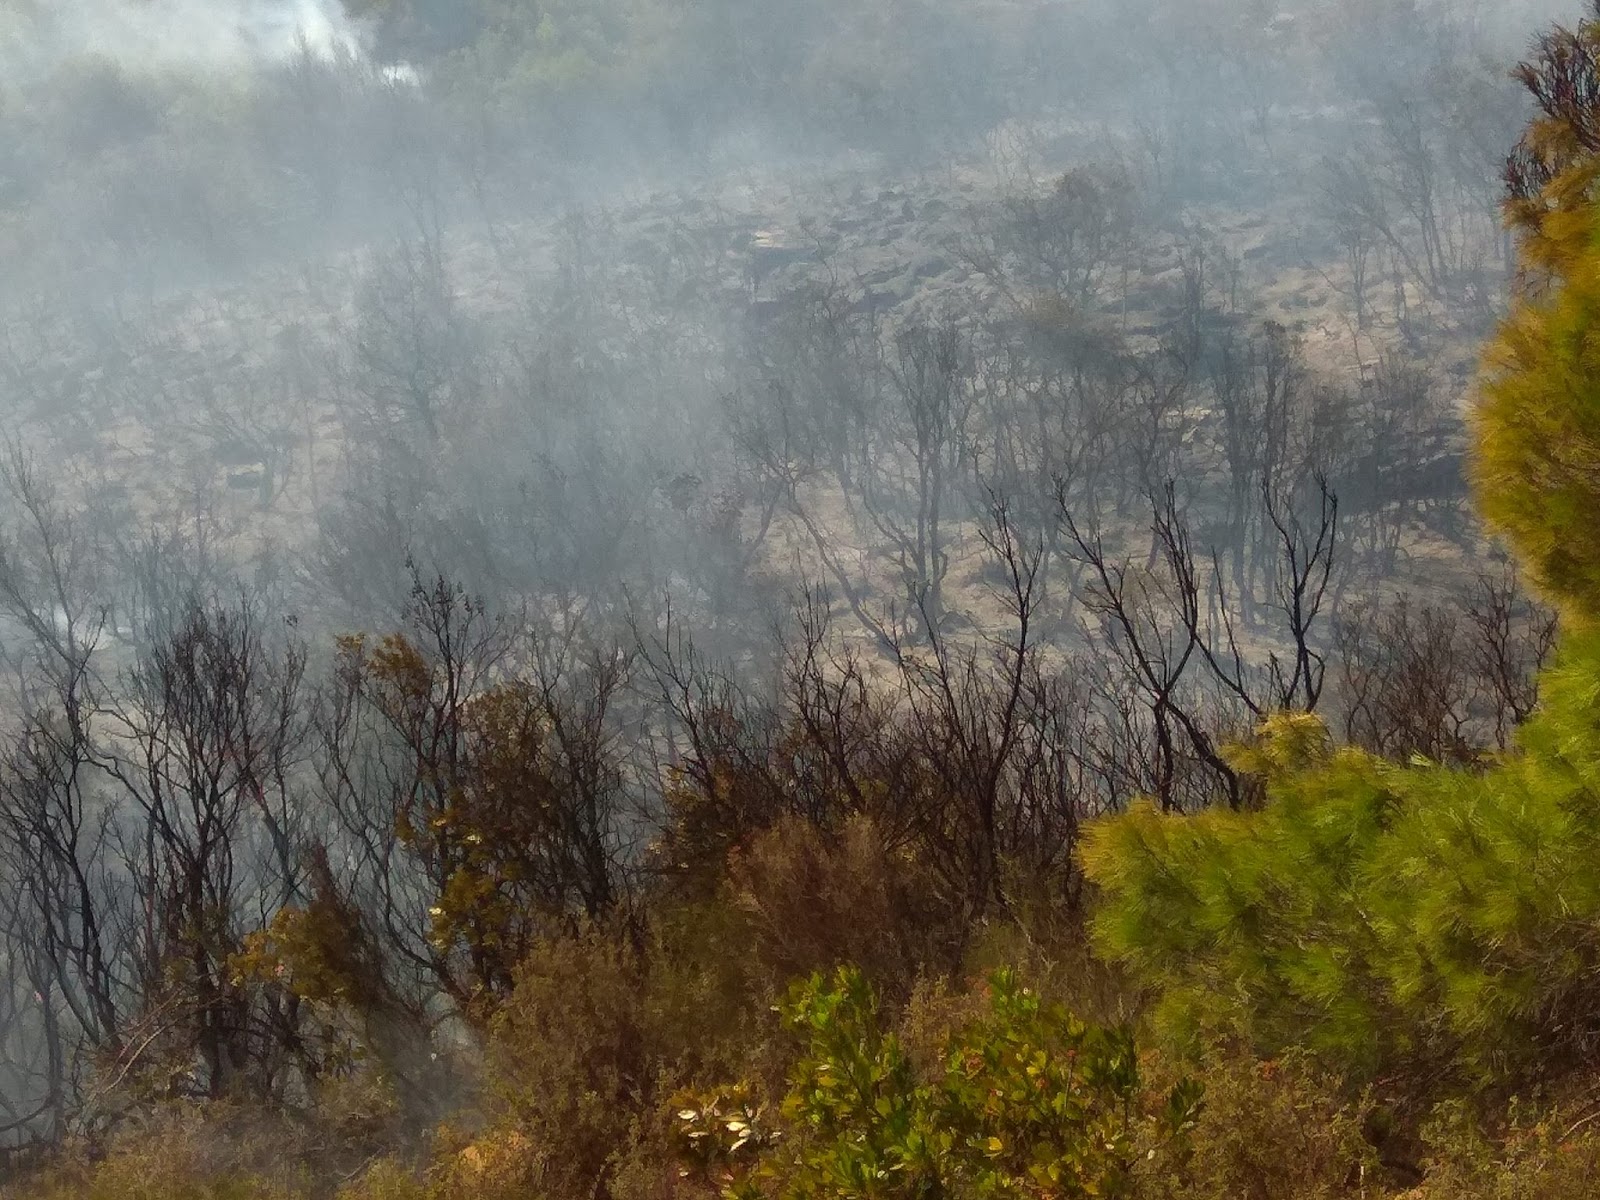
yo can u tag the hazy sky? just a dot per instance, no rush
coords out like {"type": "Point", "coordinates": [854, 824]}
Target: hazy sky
{"type": "Point", "coordinates": [34, 34]}
{"type": "Point", "coordinates": [37, 34]}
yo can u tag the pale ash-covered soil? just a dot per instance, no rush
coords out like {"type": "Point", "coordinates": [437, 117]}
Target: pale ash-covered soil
{"type": "Point", "coordinates": [156, 408]}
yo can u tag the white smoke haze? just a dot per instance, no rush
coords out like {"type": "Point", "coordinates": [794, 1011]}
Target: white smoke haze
{"type": "Point", "coordinates": [675, 317]}
{"type": "Point", "coordinates": [209, 35]}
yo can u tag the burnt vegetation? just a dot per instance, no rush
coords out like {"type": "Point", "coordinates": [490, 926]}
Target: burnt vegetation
{"type": "Point", "coordinates": [527, 528]}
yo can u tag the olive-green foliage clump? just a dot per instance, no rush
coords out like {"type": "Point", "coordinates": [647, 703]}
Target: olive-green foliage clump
{"type": "Point", "coordinates": [1538, 422]}
{"type": "Point", "coordinates": [1255, 907]}
{"type": "Point", "coordinates": [1377, 912]}
{"type": "Point", "coordinates": [1538, 447]}
{"type": "Point", "coordinates": [1427, 915]}
{"type": "Point", "coordinates": [1029, 1101]}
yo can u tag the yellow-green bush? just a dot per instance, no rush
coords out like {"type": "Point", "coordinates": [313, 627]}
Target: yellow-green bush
{"type": "Point", "coordinates": [1424, 916]}
{"type": "Point", "coordinates": [1537, 461]}
{"type": "Point", "coordinates": [184, 1153]}
{"type": "Point", "coordinates": [1421, 916]}
{"type": "Point", "coordinates": [1028, 1102]}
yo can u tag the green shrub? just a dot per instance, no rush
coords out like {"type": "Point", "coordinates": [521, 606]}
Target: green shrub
{"type": "Point", "coordinates": [1030, 1102]}
{"type": "Point", "coordinates": [1381, 915]}
{"type": "Point", "coordinates": [1249, 923]}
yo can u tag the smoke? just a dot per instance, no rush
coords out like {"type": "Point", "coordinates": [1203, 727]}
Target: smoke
{"type": "Point", "coordinates": [38, 35]}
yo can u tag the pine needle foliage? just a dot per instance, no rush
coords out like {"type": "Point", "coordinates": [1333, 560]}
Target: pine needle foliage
{"type": "Point", "coordinates": [1426, 916]}
{"type": "Point", "coordinates": [1537, 460]}
{"type": "Point", "coordinates": [1379, 913]}
{"type": "Point", "coordinates": [1537, 452]}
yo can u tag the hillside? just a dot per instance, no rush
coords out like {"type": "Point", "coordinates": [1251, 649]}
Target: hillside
{"type": "Point", "coordinates": [670, 599]}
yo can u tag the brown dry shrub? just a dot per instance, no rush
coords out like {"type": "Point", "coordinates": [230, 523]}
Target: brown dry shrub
{"type": "Point", "coordinates": [388, 1179]}
{"type": "Point", "coordinates": [816, 900]}
{"type": "Point", "coordinates": [184, 1153]}
{"type": "Point", "coordinates": [937, 1011]}
{"type": "Point", "coordinates": [1271, 1130]}
{"type": "Point", "coordinates": [1055, 957]}
{"type": "Point", "coordinates": [598, 1032]}
{"type": "Point", "coordinates": [1552, 1153]}
{"type": "Point", "coordinates": [572, 1059]}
